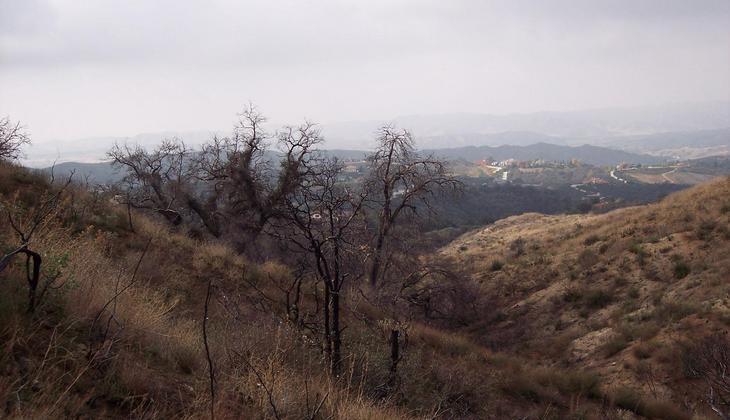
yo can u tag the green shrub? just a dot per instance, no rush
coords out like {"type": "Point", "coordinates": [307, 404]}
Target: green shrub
{"type": "Point", "coordinates": [635, 248]}
{"type": "Point", "coordinates": [596, 299]}
{"type": "Point", "coordinates": [570, 382]}
{"type": "Point", "coordinates": [681, 269]}
{"type": "Point", "coordinates": [603, 248]}
{"type": "Point", "coordinates": [614, 345]}
{"type": "Point", "coordinates": [674, 311]}
{"type": "Point", "coordinates": [572, 295]}
{"type": "Point", "coordinates": [643, 350]}
{"type": "Point", "coordinates": [590, 240]}
{"type": "Point", "coordinates": [705, 229]}
{"type": "Point", "coordinates": [587, 258]}
{"type": "Point", "coordinates": [639, 331]}
{"type": "Point", "coordinates": [524, 386]}
{"type": "Point", "coordinates": [631, 400]}
{"type": "Point", "coordinates": [620, 281]}
{"type": "Point", "coordinates": [517, 247]}
{"type": "Point", "coordinates": [640, 252]}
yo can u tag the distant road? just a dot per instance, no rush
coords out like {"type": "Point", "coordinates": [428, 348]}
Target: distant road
{"type": "Point", "coordinates": [613, 175]}
{"type": "Point", "coordinates": [670, 180]}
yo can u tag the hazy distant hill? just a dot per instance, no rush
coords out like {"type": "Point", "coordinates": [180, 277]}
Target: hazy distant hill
{"type": "Point", "coordinates": [447, 130]}
{"type": "Point", "coordinates": [94, 173]}
{"type": "Point", "coordinates": [95, 149]}
{"type": "Point", "coordinates": [684, 131]}
{"type": "Point", "coordinates": [680, 145]}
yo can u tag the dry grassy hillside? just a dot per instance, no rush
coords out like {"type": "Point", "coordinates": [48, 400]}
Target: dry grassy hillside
{"type": "Point", "coordinates": [574, 317]}
{"type": "Point", "coordinates": [624, 294]}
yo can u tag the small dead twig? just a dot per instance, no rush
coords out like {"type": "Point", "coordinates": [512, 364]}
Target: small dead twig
{"type": "Point", "coordinates": [269, 391]}
{"type": "Point", "coordinates": [118, 292]}
{"type": "Point", "coordinates": [319, 406]}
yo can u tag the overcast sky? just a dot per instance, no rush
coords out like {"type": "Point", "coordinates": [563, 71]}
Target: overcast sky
{"type": "Point", "coordinates": [73, 69]}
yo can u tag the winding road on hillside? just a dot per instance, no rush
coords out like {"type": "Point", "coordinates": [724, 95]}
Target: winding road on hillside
{"type": "Point", "coordinates": [670, 180]}
{"type": "Point", "coordinates": [613, 175]}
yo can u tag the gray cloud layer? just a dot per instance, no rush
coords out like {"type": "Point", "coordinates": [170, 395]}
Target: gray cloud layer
{"type": "Point", "coordinates": [112, 67]}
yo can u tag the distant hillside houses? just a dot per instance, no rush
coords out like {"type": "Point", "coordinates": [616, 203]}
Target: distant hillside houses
{"type": "Point", "coordinates": [525, 164]}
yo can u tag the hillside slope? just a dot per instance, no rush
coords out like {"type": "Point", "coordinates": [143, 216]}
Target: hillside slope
{"type": "Point", "coordinates": [546, 317]}
{"type": "Point", "coordinates": [622, 293]}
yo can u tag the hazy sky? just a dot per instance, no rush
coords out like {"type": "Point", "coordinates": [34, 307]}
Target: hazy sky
{"type": "Point", "coordinates": [71, 69]}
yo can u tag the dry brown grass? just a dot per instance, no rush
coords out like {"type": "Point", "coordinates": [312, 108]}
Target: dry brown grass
{"type": "Point", "coordinates": [640, 272]}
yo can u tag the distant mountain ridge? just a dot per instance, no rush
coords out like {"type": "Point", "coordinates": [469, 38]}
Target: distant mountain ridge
{"type": "Point", "coordinates": [678, 145]}
{"type": "Point", "coordinates": [576, 127]}
{"type": "Point", "coordinates": [638, 129]}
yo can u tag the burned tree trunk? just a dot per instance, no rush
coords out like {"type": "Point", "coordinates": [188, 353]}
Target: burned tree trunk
{"type": "Point", "coordinates": [394, 357]}
{"type": "Point", "coordinates": [33, 260]}
{"type": "Point", "coordinates": [336, 336]}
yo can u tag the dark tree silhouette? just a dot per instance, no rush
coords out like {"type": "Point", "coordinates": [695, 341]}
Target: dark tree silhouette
{"type": "Point", "coordinates": [325, 222]}
{"type": "Point", "coordinates": [12, 138]}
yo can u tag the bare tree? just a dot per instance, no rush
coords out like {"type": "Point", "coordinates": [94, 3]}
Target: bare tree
{"type": "Point", "coordinates": [255, 191]}
{"type": "Point", "coordinates": [230, 180]}
{"type": "Point", "coordinates": [400, 180]}
{"type": "Point", "coordinates": [26, 226]}
{"type": "Point", "coordinates": [155, 179]}
{"type": "Point", "coordinates": [325, 222]}
{"type": "Point", "coordinates": [12, 138]}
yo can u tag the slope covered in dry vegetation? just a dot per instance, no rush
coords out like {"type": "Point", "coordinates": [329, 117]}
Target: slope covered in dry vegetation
{"type": "Point", "coordinates": [633, 295]}
{"type": "Point", "coordinates": [590, 316]}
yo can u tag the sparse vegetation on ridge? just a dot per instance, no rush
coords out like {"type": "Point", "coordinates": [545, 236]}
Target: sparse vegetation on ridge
{"type": "Point", "coordinates": [529, 313]}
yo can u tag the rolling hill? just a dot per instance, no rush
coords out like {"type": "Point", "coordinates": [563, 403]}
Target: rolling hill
{"type": "Point", "coordinates": [624, 294]}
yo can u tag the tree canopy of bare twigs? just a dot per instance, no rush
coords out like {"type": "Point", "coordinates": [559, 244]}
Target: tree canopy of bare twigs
{"type": "Point", "coordinates": [12, 139]}
{"type": "Point", "coordinates": [230, 181]}
{"type": "Point", "coordinates": [155, 180]}
{"type": "Point", "coordinates": [400, 180]}
{"type": "Point", "coordinates": [325, 222]}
